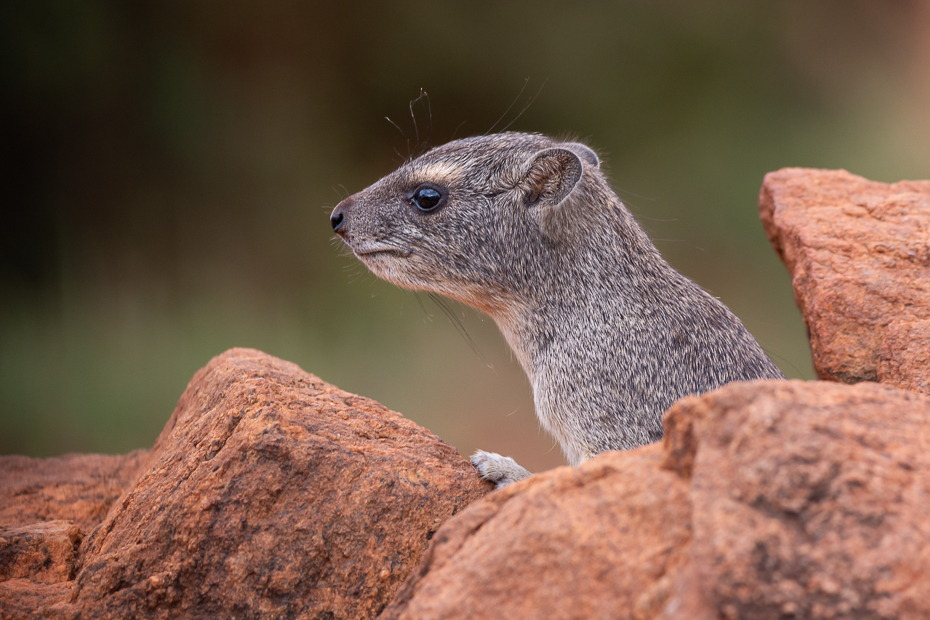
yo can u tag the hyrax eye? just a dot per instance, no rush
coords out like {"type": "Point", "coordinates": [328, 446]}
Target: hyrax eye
{"type": "Point", "coordinates": [428, 197]}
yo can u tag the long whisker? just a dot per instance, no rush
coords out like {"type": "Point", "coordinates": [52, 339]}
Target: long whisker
{"type": "Point", "coordinates": [439, 301]}
{"type": "Point", "coordinates": [405, 138]}
{"type": "Point", "coordinates": [457, 130]}
{"type": "Point", "coordinates": [413, 116]}
{"type": "Point", "coordinates": [526, 107]}
{"type": "Point", "coordinates": [394, 241]}
{"type": "Point", "coordinates": [515, 99]}
{"type": "Point", "coordinates": [416, 294]}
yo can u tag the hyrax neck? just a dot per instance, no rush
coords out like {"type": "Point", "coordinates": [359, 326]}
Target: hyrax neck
{"type": "Point", "coordinates": [593, 293]}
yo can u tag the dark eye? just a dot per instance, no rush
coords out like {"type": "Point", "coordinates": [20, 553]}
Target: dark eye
{"type": "Point", "coordinates": [428, 197]}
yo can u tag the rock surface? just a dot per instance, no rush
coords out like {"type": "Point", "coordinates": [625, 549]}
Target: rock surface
{"type": "Point", "coordinates": [809, 499]}
{"type": "Point", "coordinates": [766, 500]}
{"type": "Point", "coordinates": [79, 487]}
{"type": "Point", "coordinates": [269, 493]}
{"type": "Point", "coordinates": [859, 255]}
{"type": "Point", "coordinates": [23, 598]}
{"type": "Point", "coordinates": [46, 507]}
{"type": "Point", "coordinates": [585, 542]}
{"type": "Point", "coordinates": [42, 552]}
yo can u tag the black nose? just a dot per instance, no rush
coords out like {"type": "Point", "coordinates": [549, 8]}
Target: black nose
{"type": "Point", "coordinates": [338, 218]}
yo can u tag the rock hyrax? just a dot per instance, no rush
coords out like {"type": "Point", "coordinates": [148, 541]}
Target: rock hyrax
{"type": "Point", "coordinates": [527, 229]}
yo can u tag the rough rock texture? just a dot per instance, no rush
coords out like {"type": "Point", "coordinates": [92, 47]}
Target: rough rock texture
{"type": "Point", "coordinates": [43, 552]}
{"type": "Point", "coordinates": [904, 357]}
{"type": "Point", "coordinates": [46, 507]}
{"type": "Point", "coordinates": [587, 542]}
{"type": "Point", "coordinates": [771, 499]}
{"type": "Point", "coordinates": [24, 598]}
{"type": "Point", "coordinates": [269, 494]}
{"type": "Point", "coordinates": [859, 255]}
{"type": "Point", "coordinates": [79, 487]}
{"type": "Point", "coordinates": [810, 499]}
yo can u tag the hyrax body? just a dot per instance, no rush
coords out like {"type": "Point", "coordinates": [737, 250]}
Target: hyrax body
{"type": "Point", "coordinates": [527, 229]}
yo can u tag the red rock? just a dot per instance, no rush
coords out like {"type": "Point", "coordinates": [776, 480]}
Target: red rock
{"type": "Point", "coordinates": [268, 493]}
{"type": "Point", "coordinates": [22, 599]}
{"type": "Point", "coordinates": [76, 487]}
{"type": "Point", "coordinates": [904, 357]}
{"type": "Point", "coordinates": [809, 499]}
{"type": "Point", "coordinates": [272, 493]}
{"type": "Point", "coordinates": [859, 255]}
{"type": "Point", "coordinates": [604, 540]}
{"type": "Point", "coordinates": [769, 499]}
{"type": "Point", "coordinates": [44, 552]}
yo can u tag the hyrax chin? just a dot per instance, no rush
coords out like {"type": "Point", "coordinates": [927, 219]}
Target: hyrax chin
{"type": "Point", "coordinates": [526, 228]}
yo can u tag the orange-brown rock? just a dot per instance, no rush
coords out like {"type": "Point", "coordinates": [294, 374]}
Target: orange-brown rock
{"type": "Point", "coordinates": [904, 357]}
{"type": "Point", "coordinates": [46, 507]}
{"type": "Point", "coordinates": [269, 494]}
{"type": "Point", "coordinates": [810, 499]}
{"type": "Point", "coordinates": [859, 255]}
{"type": "Point", "coordinates": [43, 552]}
{"type": "Point", "coordinates": [604, 540]}
{"type": "Point", "coordinates": [771, 499]}
{"type": "Point", "coordinates": [76, 487]}
{"type": "Point", "coordinates": [22, 599]}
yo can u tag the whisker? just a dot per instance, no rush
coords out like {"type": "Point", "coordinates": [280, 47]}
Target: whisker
{"type": "Point", "coordinates": [526, 107]}
{"type": "Point", "coordinates": [416, 294]}
{"type": "Point", "coordinates": [439, 301]}
{"type": "Point", "coordinates": [618, 190]}
{"type": "Point", "coordinates": [405, 138]}
{"type": "Point", "coordinates": [515, 99]}
{"type": "Point", "coordinates": [429, 109]}
{"type": "Point", "coordinates": [397, 126]}
{"type": "Point", "coordinates": [413, 116]}
{"type": "Point", "coordinates": [457, 130]}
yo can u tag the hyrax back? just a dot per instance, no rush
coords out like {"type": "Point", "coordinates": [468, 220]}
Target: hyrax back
{"type": "Point", "coordinates": [527, 229]}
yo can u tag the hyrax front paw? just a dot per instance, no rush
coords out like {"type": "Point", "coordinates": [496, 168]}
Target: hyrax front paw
{"type": "Point", "coordinates": [501, 470]}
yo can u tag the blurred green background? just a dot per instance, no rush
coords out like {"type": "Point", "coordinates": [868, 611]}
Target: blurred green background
{"type": "Point", "coordinates": [170, 168]}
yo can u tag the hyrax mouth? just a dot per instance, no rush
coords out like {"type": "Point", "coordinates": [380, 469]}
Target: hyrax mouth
{"type": "Point", "coordinates": [379, 251]}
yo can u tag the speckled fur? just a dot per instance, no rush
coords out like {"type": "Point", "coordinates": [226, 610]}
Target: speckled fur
{"type": "Point", "coordinates": [608, 333]}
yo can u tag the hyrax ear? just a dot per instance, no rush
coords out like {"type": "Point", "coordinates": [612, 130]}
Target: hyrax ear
{"type": "Point", "coordinates": [584, 152]}
{"type": "Point", "coordinates": [551, 178]}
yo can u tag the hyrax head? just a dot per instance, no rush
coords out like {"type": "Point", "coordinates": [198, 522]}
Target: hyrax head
{"type": "Point", "coordinates": [474, 219]}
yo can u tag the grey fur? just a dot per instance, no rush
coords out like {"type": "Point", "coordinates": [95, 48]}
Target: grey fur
{"type": "Point", "coordinates": [530, 232]}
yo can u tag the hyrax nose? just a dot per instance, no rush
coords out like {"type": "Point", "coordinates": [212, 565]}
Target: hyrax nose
{"type": "Point", "coordinates": [338, 218]}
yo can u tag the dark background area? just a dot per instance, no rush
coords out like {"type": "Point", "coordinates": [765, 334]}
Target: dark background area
{"type": "Point", "coordinates": [169, 169]}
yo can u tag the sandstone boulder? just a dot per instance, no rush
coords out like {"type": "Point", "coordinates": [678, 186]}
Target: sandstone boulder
{"type": "Point", "coordinates": [269, 493]}
{"type": "Point", "coordinates": [43, 552]}
{"type": "Point", "coordinates": [772, 499]}
{"type": "Point", "coordinates": [47, 506]}
{"type": "Point", "coordinates": [22, 599]}
{"type": "Point", "coordinates": [859, 256]}
{"type": "Point", "coordinates": [604, 540]}
{"type": "Point", "coordinates": [76, 487]}
{"type": "Point", "coordinates": [809, 499]}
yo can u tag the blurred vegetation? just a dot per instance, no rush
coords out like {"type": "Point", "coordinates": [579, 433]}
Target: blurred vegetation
{"type": "Point", "coordinates": [170, 168]}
